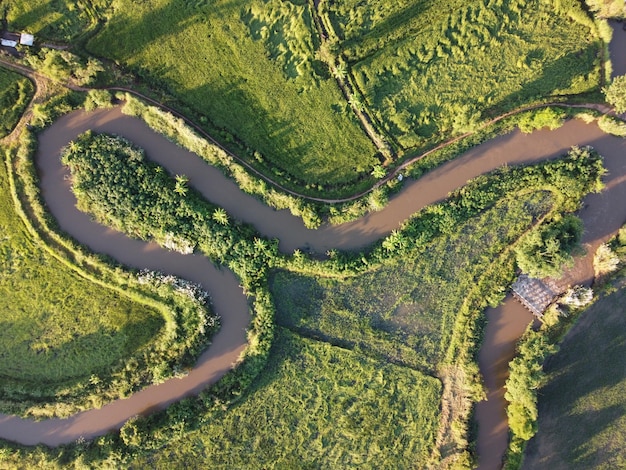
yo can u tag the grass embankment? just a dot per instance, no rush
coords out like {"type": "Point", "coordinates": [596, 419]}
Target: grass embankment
{"type": "Point", "coordinates": [77, 333]}
{"type": "Point", "coordinates": [584, 389]}
{"type": "Point", "coordinates": [15, 93]}
{"type": "Point", "coordinates": [250, 68]}
{"type": "Point", "coordinates": [426, 71]}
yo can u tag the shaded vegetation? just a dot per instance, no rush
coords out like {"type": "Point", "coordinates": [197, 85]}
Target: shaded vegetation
{"type": "Point", "coordinates": [426, 70]}
{"type": "Point", "coordinates": [15, 93]}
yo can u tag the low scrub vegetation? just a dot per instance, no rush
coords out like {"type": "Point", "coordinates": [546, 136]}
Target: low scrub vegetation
{"type": "Point", "coordinates": [426, 71]}
{"type": "Point", "coordinates": [15, 93]}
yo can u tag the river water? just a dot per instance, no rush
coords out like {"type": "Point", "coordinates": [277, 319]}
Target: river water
{"type": "Point", "coordinates": [603, 214]}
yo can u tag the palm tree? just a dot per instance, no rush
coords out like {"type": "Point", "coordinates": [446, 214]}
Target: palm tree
{"type": "Point", "coordinates": [379, 172]}
{"type": "Point", "coordinates": [220, 216]}
{"type": "Point", "coordinates": [181, 185]}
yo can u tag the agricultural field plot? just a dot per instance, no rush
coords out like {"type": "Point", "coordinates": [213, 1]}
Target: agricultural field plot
{"type": "Point", "coordinates": [405, 310]}
{"type": "Point", "coordinates": [15, 92]}
{"type": "Point", "coordinates": [317, 405]}
{"type": "Point", "coordinates": [251, 69]}
{"type": "Point", "coordinates": [585, 396]}
{"type": "Point", "coordinates": [58, 329]}
{"type": "Point", "coordinates": [429, 69]}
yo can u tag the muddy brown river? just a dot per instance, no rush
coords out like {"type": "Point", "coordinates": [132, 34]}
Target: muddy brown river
{"type": "Point", "coordinates": [603, 214]}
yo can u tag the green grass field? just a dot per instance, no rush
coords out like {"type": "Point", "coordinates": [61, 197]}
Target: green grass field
{"type": "Point", "coordinates": [57, 327]}
{"type": "Point", "coordinates": [428, 70]}
{"type": "Point", "coordinates": [582, 408]}
{"type": "Point", "coordinates": [15, 92]}
{"type": "Point", "coordinates": [405, 310]}
{"type": "Point", "coordinates": [317, 406]}
{"type": "Point", "coordinates": [250, 67]}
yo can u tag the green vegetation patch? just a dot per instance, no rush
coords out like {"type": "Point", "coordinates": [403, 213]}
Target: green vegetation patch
{"type": "Point", "coordinates": [250, 68]}
{"type": "Point", "coordinates": [317, 405]}
{"type": "Point", "coordinates": [427, 69]}
{"type": "Point", "coordinates": [15, 93]}
{"type": "Point", "coordinates": [56, 325]}
{"type": "Point", "coordinates": [405, 310]}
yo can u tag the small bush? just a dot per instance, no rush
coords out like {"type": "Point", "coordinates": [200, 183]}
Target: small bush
{"type": "Point", "coordinates": [538, 119]}
{"type": "Point", "coordinates": [612, 126]}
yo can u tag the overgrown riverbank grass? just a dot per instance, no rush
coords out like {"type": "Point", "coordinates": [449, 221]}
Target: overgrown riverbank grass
{"type": "Point", "coordinates": [250, 68]}
{"type": "Point", "coordinates": [426, 70]}
{"type": "Point", "coordinates": [15, 93]}
{"type": "Point", "coordinates": [58, 356]}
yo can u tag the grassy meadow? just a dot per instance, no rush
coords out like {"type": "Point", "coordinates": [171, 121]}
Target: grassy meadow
{"type": "Point", "coordinates": [15, 92]}
{"type": "Point", "coordinates": [317, 405]}
{"type": "Point", "coordinates": [250, 68]}
{"type": "Point", "coordinates": [59, 20]}
{"type": "Point", "coordinates": [57, 327]}
{"type": "Point", "coordinates": [427, 70]}
{"type": "Point", "coordinates": [405, 310]}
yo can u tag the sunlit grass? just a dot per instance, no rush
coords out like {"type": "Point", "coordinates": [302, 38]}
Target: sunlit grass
{"type": "Point", "coordinates": [250, 67]}
{"type": "Point", "coordinates": [317, 405]}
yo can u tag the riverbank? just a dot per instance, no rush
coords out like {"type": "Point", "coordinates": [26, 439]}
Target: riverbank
{"type": "Point", "coordinates": [512, 149]}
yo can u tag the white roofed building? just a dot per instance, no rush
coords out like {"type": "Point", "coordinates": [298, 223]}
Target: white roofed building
{"type": "Point", "coordinates": [27, 39]}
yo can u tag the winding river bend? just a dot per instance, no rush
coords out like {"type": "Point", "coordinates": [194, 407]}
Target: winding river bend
{"type": "Point", "coordinates": [603, 215]}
